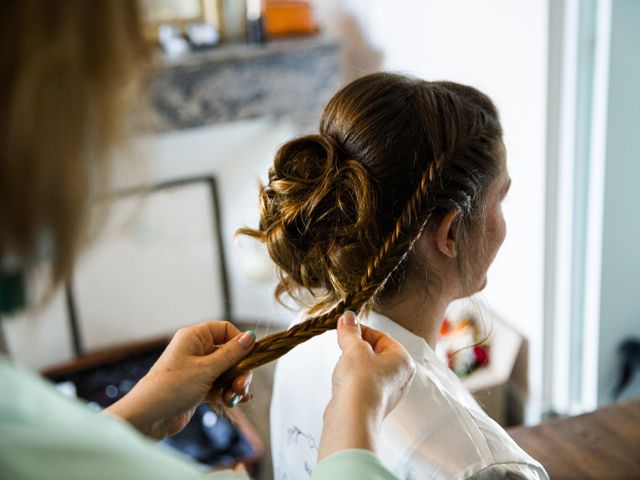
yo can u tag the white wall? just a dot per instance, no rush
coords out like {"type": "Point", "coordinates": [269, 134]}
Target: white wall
{"type": "Point", "coordinates": [500, 47]}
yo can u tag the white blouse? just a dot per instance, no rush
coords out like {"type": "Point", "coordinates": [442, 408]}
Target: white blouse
{"type": "Point", "coordinates": [438, 431]}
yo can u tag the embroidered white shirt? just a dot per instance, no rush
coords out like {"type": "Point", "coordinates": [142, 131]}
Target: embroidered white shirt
{"type": "Point", "coordinates": [438, 431]}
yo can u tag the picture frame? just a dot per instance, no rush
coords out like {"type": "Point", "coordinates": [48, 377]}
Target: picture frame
{"type": "Point", "coordinates": [170, 267]}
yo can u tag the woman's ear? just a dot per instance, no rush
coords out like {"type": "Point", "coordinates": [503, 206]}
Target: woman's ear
{"type": "Point", "coordinates": [445, 234]}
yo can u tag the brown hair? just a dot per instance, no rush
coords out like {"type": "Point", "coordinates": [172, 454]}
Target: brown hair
{"type": "Point", "coordinates": [343, 208]}
{"type": "Point", "coordinates": [65, 65]}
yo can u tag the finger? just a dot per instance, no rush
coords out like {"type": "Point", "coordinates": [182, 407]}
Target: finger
{"type": "Point", "coordinates": [221, 331]}
{"type": "Point", "coordinates": [209, 334]}
{"type": "Point", "coordinates": [379, 341]}
{"type": "Point", "coordinates": [348, 330]}
{"type": "Point", "coordinates": [383, 344]}
{"type": "Point", "coordinates": [241, 468]}
{"type": "Point", "coordinates": [241, 384]}
{"type": "Point", "coordinates": [231, 399]}
{"type": "Point", "coordinates": [231, 352]}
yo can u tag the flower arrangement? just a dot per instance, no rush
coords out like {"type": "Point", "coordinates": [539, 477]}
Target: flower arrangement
{"type": "Point", "coordinates": [463, 345]}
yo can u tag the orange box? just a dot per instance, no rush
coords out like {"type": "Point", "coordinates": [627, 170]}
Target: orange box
{"type": "Point", "coordinates": [289, 17]}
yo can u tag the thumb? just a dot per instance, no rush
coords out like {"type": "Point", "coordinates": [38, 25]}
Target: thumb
{"type": "Point", "coordinates": [348, 330]}
{"type": "Point", "coordinates": [231, 352]}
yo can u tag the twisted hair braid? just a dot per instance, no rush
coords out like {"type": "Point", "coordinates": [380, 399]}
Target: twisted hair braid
{"type": "Point", "coordinates": [276, 345]}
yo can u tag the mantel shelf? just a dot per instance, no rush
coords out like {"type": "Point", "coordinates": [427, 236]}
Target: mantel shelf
{"type": "Point", "coordinates": [293, 77]}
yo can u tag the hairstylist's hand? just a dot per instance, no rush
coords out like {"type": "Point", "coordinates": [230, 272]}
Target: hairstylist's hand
{"type": "Point", "coordinates": [371, 377]}
{"type": "Point", "coordinates": [163, 401]}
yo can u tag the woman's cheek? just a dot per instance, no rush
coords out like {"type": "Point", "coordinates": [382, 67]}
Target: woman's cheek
{"type": "Point", "coordinates": [497, 233]}
{"type": "Point", "coordinates": [503, 228]}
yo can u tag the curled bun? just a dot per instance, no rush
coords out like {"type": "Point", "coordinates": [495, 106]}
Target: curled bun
{"type": "Point", "coordinates": [316, 215]}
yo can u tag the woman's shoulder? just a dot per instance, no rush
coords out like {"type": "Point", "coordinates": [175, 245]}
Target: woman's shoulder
{"type": "Point", "coordinates": [433, 431]}
{"type": "Point", "coordinates": [23, 394]}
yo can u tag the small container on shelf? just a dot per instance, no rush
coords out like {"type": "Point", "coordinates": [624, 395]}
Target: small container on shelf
{"type": "Point", "coordinates": [284, 18]}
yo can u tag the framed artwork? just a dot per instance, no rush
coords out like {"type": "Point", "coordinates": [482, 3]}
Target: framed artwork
{"type": "Point", "coordinates": [158, 265]}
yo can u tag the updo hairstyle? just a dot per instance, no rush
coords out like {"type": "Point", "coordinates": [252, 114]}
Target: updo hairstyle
{"type": "Point", "coordinates": [343, 208]}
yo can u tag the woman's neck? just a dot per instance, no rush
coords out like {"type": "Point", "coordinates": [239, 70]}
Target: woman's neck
{"type": "Point", "coordinates": [419, 314]}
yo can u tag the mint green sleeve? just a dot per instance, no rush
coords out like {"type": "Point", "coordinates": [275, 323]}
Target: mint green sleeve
{"type": "Point", "coordinates": [353, 465]}
{"type": "Point", "coordinates": [46, 436]}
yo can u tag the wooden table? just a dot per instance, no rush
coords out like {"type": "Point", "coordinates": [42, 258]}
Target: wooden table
{"type": "Point", "coordinates": [603, 445]}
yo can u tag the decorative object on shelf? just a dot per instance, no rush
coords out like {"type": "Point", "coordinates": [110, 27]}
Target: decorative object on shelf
{"type": "Point", "coordinates": [500, 385]}
{"type": "Point", "coordinates": [180, 14]}
{"type": "Point", "coordinates": [202, 35]}
{"type": "Point", "coordinates": [463, 345]}
{"type": "Point", "coordinates": [172, 41]}
{"type": "Point", "coordinates": [233, 24]}
{"type": "Point", "coordinates": [289, 17]}
{"type": "Point", "coordinates": [205, 22]}
{"type": "Point", "coordinates": [256, 33]}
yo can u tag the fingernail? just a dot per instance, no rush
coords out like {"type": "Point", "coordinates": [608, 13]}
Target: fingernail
{"type": "Point", "coordinates": [233, 401]}
{"type": "Point", "coordinates": [245, 391]}
{"type": "Point", "coordinates": [349, 318]}
{"type": "Point", "coordinates": [247, 339]}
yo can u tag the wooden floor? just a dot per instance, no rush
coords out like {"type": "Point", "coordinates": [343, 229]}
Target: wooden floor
{"type": "Point", "coordinates": [603, 445]}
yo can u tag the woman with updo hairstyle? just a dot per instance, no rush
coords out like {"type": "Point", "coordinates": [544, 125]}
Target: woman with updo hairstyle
{"type": "Point", "coordinates": [392, 210]}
